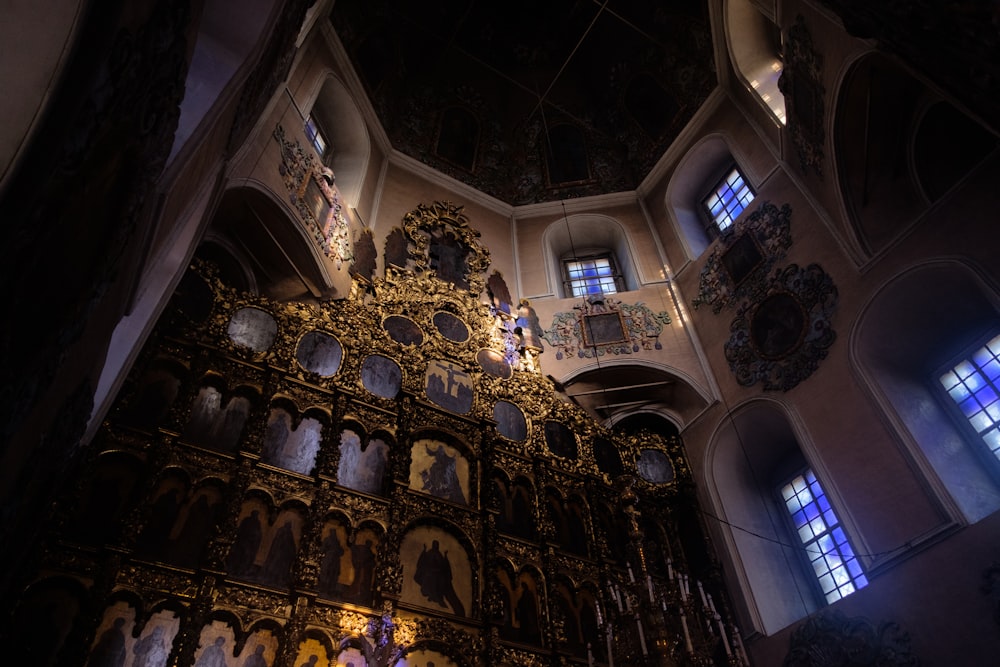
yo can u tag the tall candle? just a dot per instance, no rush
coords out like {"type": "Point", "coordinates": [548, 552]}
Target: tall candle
{"type": "Point", "coordinates": [701, 592]}
{"type": "Point", "coordinates": [649, 584]}
{"type": "Point", "coordinates": [631, 577]}
{"type": "Point", "coordinates": [611, 655]}
{"type": "Point", "coordinates": [642, 637]}
{"type": "Point", "coordinates": [670, 569]}
{"type": "Point", "coordinates": [722, 633]}
{"type": "Point", "coordinates": [687, 635]}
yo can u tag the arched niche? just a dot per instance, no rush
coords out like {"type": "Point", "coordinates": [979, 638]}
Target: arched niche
{"type": "Point", "coordinates": [750, 453]}
{"type": "Point", "coordinates": [947, 146]}
{"type": "Point", "coordinates": [344, 128]}
{"type": "Point", "coordinates": [697, 172]}
{"type": "Point", "coordinates": [288, 263]}
{"type": "Point", "coordinates": [583, 235]}
{"type": "Point", "coordinates": [224, 44]}
{"type": "Point", "coordinates": [755, 51]}
{"type": "Point", "coordinates": [877, 181]}
{"type": "Point", "coordinates": [915, 325]}
{"type": "Point", "coordinates": [440, 571]}
{"type": "Point", "coordinates": [619, 389]}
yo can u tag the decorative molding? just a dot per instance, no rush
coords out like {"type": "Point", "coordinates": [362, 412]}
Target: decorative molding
{"type": "Point", "coordinates": [801, 82]}
{"type": "Point", "coordinates": [605, 325]}
{"type": "Point", "coordinates": [769, 230]}
{"type": "Point", "coordinates": [831, 639]}
{"type": "Point", "coordinates": [780, 336]}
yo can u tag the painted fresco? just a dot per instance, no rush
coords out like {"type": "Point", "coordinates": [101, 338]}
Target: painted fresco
{"type": "Point", "coordinates": [253, 328]}
{"type": "Point", "coordinates": [319, 353]}
{"type": "Point", "coordinates": [288, 447]}
{"type": "Point", "coordinates": [510, 421]}
{"type": "Point", "coordinates": [381, 376]}
{"type": "Point", "coordinates": [362, 467]}
{"type": "Point", "coordinates": [449, 386]}
{"type": "Point", "coordinates": [440, 470]}
{"type": "Point", "coordinates": [436, 571]}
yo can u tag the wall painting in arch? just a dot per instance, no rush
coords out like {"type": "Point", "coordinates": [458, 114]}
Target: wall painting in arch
{"type": "Point", "coordinates": [362, 465]}
{"type": "Point", "coordinates": [440, 470]}
{"type": "Point", "coordinates": [437, 573]}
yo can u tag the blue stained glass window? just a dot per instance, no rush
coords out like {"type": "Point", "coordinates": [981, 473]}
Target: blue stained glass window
{"type": "Point", "coordinates": [728, 199]}
{"type": "Point", "coordinates": [591, 276]}
{"type": "Point", "coordinates": [974, 386]}
{"type": "Point", "coordinates": [823, 539]}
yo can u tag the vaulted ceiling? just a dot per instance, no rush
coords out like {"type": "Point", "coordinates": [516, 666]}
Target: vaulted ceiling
{"type": "Point", "coordinates": [532, 101]}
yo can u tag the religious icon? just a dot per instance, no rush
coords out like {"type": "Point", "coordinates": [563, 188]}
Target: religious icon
{"type": "Point", "coordinates": [440, 470]}
{"type": "Point", "coordinates": [449, 386]}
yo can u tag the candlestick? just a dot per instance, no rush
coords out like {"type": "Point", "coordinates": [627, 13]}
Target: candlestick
{"type": "Point", "coordinates": [590, 656]}
{"type": "Point", "coordinates": [680, 585]}
{"type": "Point", "coordinates": [670, 569]}
{"type": "Point", "coordinates": [701, 592]}
{"type": "Point", "coordinates": [649, 584]}
{"type": "Point", "coordinates": [711, 605]}
{"type": "Point", "coordinates": [631, 577]}
{"type": "Point", "coordinates": [611, 657]}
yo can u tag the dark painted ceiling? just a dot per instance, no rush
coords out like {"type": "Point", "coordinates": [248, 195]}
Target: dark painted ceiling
{"type": "Point", "coordinates": [532, 101]}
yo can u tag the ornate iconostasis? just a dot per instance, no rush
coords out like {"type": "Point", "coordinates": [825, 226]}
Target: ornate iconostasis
{"type": "Point", "coordinates": [385, 480]}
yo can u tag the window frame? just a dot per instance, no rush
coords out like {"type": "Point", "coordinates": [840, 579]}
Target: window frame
{"type": "Point", "coordinates": [314, 128]}
{"type": "Point", "coordinates": [569, 283]}
{"type": "Point", "coordinates": [711, 221]}
{"type": "Point", "coordinates": [974, 439]}
{"type": "Point", "coordinates": [806, 550]}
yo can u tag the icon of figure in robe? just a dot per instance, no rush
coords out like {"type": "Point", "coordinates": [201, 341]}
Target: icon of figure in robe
{"type": "Point", "coordinates": [434, 575]}
{"type": "Point", "coordinates": [109, 651]}
{"type": "Point", "coordinates": [278, 564]}
{"type": "Point", "coordinates": [527, 615]}
{"type": "Point", "coordinates": [213, 656]}
{"type": "Point", "coordinates": [245, 546]}
{"type": "Point", "coordinates": [329, 566]}
{"type": "Point", "coordinates": [441, 478]}
{"type": "Point", "coordinates": [151, 650]}
{"type": "Point", "coordinates": [363, 559]}
{"type": "Point", "coordinates": [256, 659]}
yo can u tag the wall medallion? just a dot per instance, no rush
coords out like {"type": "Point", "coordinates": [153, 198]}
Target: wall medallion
{"type": "Point", "coordinates": [779, 339]}
{"type": "Point", "coordinates": [743, 259]}
{"type": "Point", "coordinates": [604, 325]}
{"type": "Point", "coordinates": [495, 364]}
{"type": "Point", "coordinates": [449, 386]}
{"type": "Point", "coordinates": [319, 353]}
{"type": "Point", "coordinates": [403, 330]}
{"type": "Point", "coordinates": [510, 421]}
{"type": "Point", "coordinates": [560, 439]}
{"type": "Point", "coordinates": [253, 328]}
{"type": "Point", "coordinates": [381, 376]}
{"type": "Point", "coordinates": [654, 466]}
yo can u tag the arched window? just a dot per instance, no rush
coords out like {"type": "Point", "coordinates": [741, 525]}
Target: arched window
{"type": "Point", "coordinates": [337, 131]}
{"type": "Point", "coordinates": [707, 193]}
{"type": "Point", "coordinates": [938, 317]}
{"type": "Point", "coordinates": [589, 254]}
{"type": "Point", "coordinates": [780, 519]}
{"type": "Point", "coordinates": [755, 48]}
